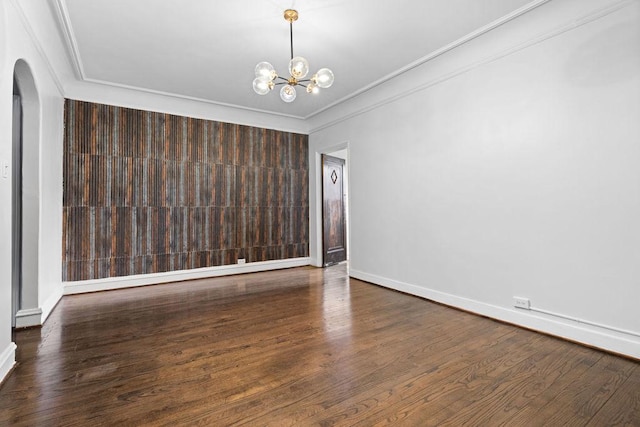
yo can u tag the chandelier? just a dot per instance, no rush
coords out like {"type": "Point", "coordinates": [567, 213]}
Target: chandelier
{"type": "Point", "coordinates": [267, 78]}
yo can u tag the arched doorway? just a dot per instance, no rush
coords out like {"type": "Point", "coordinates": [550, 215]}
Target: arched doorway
{"type": "Point", "coordinates": [16, 204]}
{"type": "Point", "coordinates": [25, 198]}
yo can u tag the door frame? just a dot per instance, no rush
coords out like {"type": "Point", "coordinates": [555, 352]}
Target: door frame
{"type": "Point", "coordinates": [16, 204]}
{"type": "Point", "coordinates": [315, 201]}
{"type": "Point", "coordinates": [336, 160]}
{"type": "Point", "coordinates": [30, 312]}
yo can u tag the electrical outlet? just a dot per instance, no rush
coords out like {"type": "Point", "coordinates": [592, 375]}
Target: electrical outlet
{"type": "Point", "coordinates": [519, 302]}
{"type": "Point", "coordinates": [241, 261]}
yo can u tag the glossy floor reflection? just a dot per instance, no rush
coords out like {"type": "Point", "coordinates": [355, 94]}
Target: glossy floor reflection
{"type": "Point", "coordinates": [303, 346]}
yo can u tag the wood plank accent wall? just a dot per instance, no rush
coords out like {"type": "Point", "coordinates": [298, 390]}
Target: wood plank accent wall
{"type": "Point", "coordinates": [148, 192]}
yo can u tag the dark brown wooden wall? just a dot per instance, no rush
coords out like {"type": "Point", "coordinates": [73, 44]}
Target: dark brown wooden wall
{"type": "Point", "coordinates": [148, 192]}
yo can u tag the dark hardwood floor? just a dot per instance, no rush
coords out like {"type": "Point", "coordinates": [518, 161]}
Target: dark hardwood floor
{"type": "Point", "coordinates": [301, 347]}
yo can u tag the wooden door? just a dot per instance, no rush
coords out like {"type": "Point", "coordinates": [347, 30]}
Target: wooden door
{"type": "Point", "coordinates": [333, 211]}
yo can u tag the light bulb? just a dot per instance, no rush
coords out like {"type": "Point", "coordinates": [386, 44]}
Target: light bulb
{"type": "Point", "coordinates": [299, 67]}
{"type": "Point", "coordinates": [312, 88]}
{"type": "Point", "coordinates": [265, 69]}
{"type": "Point", "coordinates": [262, 85]}
{"type": "Point", "coordinates": [288, 93]}
{"type": "Point", "coordinates": [323, 78]}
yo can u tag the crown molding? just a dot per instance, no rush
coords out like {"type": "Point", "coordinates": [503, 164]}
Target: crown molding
{"type": "Point", "coordinates": [36, 43]}
{"type": "Point", "coordinates": [69, 37]}
{"type": "Point", "coordinates": [72, 46]}
{"type": "Point", "coordinates": [457, 43]}
{"type": "Point", "coordinates": [586, 19]}
{"type": "Point", "coordinates": [76, 59]}
{"type": "Point", "coordinates": [190, 98]}
{"type": "Point", "coordinates": [71, 42]}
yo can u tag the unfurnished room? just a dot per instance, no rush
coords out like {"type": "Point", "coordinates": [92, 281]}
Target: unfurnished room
{"type": "Point", "coordinates": [320, 212]}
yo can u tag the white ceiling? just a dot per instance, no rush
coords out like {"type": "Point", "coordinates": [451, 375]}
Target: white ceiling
{"type": "Point", "coordinates": [207, 50]}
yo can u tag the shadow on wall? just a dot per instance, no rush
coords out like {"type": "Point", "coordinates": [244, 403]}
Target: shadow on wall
{"type": "Point", "coordinates": [25, 252]}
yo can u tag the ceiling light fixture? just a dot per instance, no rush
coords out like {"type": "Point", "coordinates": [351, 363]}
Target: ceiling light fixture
{"type": "Point", "coordinates": [266, 75]}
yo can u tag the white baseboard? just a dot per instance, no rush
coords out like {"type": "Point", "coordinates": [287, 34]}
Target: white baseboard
{"type": "Point", "coordinates": [48, 306]}
{"type": "Point", "coordinates": [627, 344]}
{"type": "Point", "coordinates": [29, 317]}
{"type": "Point", "coordinates": [177, 276]}
{"type": "Point", "coordinates": [7, 360]}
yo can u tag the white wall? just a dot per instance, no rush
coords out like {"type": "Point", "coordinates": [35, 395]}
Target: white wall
{"type": "Point", "coordinates": [16, 43]}
{"type": "Point", "coordinates": [7, 348]}
{"type": "Point", "coordinates": [506, 167]}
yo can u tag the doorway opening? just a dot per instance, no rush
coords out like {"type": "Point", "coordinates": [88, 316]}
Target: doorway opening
{"type": "Point", "coordinates": [25, 198]}
{"type": "Point", "coordinates": [16, 204]}
{"type": "Point", "coordinates": [335, 210]}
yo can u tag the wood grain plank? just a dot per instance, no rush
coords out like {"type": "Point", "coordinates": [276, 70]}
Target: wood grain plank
{"type": "Point", "coordinates": [623, 408]}
{"type": "Point", "coordinates": [302, 346]}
